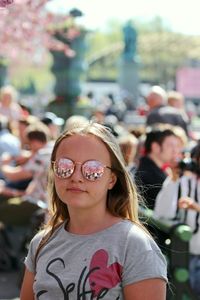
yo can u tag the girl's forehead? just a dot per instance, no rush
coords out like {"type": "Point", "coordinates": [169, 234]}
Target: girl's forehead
{"type": "Point", "coordinates": [82, 143]}
{"type": "Point", "coordinates": [81, 138]}
{"type": "Point", "coordinates": [82, 148]}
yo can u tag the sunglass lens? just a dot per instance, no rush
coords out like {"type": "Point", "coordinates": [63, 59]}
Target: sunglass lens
{"type": "Point", "coordinates": [92, 170]}
{"type": "Point", "coordinates": [64, 168]}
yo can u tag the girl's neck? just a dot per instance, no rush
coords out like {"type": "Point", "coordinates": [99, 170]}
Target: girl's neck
{"type": "Point", "coordinates": [84, 225]}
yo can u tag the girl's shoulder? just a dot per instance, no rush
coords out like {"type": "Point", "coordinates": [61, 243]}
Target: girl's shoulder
{"type": "Point", "coordinates": [43, 234]}
{"type": "Point", "coordinates": [132, 230]}
{"type": "Point", "coordinates": [138, 237]}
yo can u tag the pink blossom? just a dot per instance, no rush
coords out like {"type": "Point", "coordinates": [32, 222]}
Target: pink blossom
{"type": "Point", "coordinates": [27, 26]}
{"type": "Point", "coordinates": [4, 3]}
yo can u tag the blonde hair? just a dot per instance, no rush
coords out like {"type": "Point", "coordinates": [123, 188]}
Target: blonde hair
{"type": "Point", "coordinates": [8, 89]}
{"type": "Point", "coordinates": [180, 133]}
{"type": "Point", "coordinates": [174, 96]}
{"type": "Point", "coordinates": [74, 121]}
{"type": "Point", "coordinates": [122, 200]}
{"type": "Point", "coordinates": [128, 144]}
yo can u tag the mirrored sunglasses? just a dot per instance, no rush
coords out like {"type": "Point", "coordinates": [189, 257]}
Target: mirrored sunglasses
{"type": "Point", "coordinates": [92, 170]}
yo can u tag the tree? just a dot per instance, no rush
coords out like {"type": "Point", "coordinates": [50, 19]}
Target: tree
{"type": "Point", "coordinates": [27, 26]}
{"type": "Point", "coordinates": [29, 31]}
{"type": "Point", "coordinates": [161, 52]}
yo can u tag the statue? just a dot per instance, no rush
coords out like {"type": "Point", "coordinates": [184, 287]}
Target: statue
{"type": "Point", "coordinates": [129, 64]}
{"type": "Point", "coordinates": [130, 42]}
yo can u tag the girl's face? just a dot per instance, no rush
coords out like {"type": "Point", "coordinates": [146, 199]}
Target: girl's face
{"type": "Point", "coordinates": [76, 191]}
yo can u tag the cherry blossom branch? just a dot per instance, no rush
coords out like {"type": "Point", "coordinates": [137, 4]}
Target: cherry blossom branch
{"type": "Point", "coordinates": [27, 26]}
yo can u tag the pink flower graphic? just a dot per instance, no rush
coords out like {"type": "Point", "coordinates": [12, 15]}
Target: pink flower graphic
{"type": "Point", "coordinates": [105, 276]}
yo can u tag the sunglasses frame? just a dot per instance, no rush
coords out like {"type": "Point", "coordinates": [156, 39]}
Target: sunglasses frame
{"type": "Point", "coordinates": [81, 164]}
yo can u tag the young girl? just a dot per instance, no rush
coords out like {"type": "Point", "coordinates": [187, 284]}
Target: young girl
{"type": "Point", "coordinates": [94, 246]}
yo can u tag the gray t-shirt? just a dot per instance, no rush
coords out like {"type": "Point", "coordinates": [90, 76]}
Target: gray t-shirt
{"type": "Point", "coordinates": [95, 266]}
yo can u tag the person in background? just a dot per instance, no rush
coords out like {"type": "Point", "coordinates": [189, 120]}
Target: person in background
{"type": "Point", "coordinates": [99, 114]}
{"type": "Point", "coordinates": [181, 149]}
{"type": "Point", "coordinates": [128, 144]}
{"type": "Point", "coordinates": [179, 199]}
{"type": "Point", "coordinates": [54, 124]}
{"type": "Point", "coordinates": [161, 147]}
{"type": "Point", "coordinates": [9, 106]}
{"type": "Point", "coordinates": [161, 112]}
{"type": "Point", "coordinates": [16, 178]}
{"type": "Point", "coordinates": [94, 245]}
{"type": "Point", "coordinates": [23, 123]}
{"type": "Point", "coordinates": [21, 204]}
{"type": "Point", "coordinates": [9, 143]}
{"type": "Point", "coordinates": [177, 100]}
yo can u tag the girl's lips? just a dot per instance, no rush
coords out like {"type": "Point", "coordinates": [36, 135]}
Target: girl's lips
{"type": "Point", "coordinates": [75, 190]}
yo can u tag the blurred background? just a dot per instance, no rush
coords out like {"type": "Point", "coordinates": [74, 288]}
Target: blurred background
{"type": "Point", "coordinates": [57, 53]}
{"type": "Point", "coordinates": [95, 57]}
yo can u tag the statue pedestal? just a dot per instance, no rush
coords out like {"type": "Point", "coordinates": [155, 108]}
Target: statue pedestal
{"type": "Point", "coordinates": [129, 80]}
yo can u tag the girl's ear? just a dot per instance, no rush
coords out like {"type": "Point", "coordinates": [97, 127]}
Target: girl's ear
{"type": "Point", "coordinates": [113, 179]}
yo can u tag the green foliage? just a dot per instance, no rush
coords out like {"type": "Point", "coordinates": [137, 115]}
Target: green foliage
{"type": "Point", "coordinates": [26, 73]}
{"type": "Point", "coordinates": [101, 40]}
{"type": "Point", "coordinates": [160, 50]}
{"type": "Point", "coordinates": [41, 77]}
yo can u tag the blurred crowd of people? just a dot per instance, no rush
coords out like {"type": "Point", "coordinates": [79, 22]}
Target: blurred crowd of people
{"type": "Point", "coordinates": [162, 156]}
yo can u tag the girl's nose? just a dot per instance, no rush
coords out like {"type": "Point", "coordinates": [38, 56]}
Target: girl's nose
{"type": "Point", "coordinates": [77, 174]}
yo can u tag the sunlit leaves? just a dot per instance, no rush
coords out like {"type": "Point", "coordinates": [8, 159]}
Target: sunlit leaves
{"type": "Point", "coordinates": [26, 26]}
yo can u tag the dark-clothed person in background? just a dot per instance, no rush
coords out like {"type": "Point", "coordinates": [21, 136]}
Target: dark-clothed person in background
{"type": "Point", "coordinates": [161, 112]}
{"type": "Point", "coordinates": [161, 147]}
{"type": "Point", "coordinates": [179, 199]}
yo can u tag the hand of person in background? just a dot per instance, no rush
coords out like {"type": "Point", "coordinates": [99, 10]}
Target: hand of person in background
{"type": "Point", "coordinates": [188, 203]}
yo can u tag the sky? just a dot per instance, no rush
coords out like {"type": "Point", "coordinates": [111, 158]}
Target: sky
{"type": "Point", "coordinates": [180, 15]}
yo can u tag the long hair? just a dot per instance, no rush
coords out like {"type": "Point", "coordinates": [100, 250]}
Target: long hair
{"type": "Point", "coordinates": [122, 199]}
